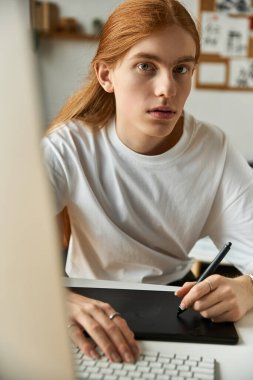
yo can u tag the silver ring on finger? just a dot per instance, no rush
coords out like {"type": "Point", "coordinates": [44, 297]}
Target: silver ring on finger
{"type": "Point", "coordinates": [210, 286]}
{"type": "Point", "coordinates": [113, 315]}
{"type": "Point", "coordinates": [71, 325]}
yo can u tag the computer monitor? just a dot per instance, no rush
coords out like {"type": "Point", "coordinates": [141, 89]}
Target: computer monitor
{"type": "Point", "coordinates": [33, 337]}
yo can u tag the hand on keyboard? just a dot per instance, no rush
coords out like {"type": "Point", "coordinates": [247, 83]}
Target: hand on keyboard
{"type": "Point", "coordinates": [107, 329]}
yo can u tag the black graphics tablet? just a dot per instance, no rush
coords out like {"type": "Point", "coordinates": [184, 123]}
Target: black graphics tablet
{"type": "Point", "coordinates": [152, 315]}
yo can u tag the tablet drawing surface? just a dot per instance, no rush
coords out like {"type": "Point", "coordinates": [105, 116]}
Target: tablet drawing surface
{"type": "Point", "coordinates": [152, 315]}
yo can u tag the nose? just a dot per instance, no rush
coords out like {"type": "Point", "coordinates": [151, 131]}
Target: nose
{"type": "Point", "coordinates": [165, 85]}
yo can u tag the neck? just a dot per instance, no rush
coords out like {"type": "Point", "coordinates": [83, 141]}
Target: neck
{"type": "Point", "coordinates": [150, 147]}
{"type": "Point", "coordinates": [169, 141]}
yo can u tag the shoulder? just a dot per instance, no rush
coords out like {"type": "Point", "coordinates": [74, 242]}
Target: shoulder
{"type": "Point", "coordinates": [65, 143]}
{"type": "Point", "coordinates": [217, 138]}
{"type": "Point", "coordinates": [206, 140]}
{"type": "Point", "coordinates": [71, 136]}
{"type": "Point", "coordinates": [204, 130]}
{"type": "Point", "coordinates": [216, 146]}
{"type": "Point", "coordinates": [67, 131]}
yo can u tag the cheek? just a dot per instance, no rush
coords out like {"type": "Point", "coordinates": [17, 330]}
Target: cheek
{"type": "Point", "coordinates": [128, 92]}
{"type": "Point", "coordinates": [186, 89]}
{"type": "Point", "coordinates": [125, 103]}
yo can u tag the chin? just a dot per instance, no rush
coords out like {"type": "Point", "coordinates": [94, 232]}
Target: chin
{"type": "Point", "coordinates": [161, 130]}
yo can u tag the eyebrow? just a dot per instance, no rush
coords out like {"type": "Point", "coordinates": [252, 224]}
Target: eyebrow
{"type": "Point", "coordinates": [186, 58]}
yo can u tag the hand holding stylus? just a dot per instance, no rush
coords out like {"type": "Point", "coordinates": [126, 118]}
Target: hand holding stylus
{"type": "Point", "coordinates": [211, 268]}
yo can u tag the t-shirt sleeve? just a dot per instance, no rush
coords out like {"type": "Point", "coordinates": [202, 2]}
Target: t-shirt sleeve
{"type": "Point", "coordinates": [231, 217]}
{"type": "Point", "coordinates": [57, 174]}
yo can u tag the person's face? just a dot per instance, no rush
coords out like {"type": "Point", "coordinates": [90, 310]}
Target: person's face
{"type": "Point", "coordinates": [151, 84]}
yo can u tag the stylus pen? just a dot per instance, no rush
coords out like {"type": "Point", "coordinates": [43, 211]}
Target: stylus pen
{"type": "Point", "coordinates": [210, 269]}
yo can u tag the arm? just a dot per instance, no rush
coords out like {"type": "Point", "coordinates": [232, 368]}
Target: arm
{"type": "Point", "coordinates": [113, 337]}
{"type": "Point", "coordinates": [230, 219]}
{"type": "Point", "coordinates": [64, 227]}
{"type": "Point", "coordinates": [229, 300]}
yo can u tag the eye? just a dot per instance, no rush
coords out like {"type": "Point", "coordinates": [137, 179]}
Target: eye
{"type": "Point", "coordinates": [182, 69]}
{"type": "Point", "coordinates": [146, 67]}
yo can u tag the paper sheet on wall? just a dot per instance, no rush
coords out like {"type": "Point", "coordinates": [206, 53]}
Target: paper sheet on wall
{"type": "Point", "coordinates": [236, 37]}
{"type": "Point", "coordinates": [233, 7]}
{"type": "Point", "coordinates": [212, 28]}
{"type": "Point", "coordinates": [241, 73]}
{"type": "Point", "coordinates": [225, 36]}
{"type": "Point", "coordinates": [212, 73]}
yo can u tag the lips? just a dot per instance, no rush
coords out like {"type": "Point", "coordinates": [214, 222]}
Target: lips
{"type": "Point", "coordinates": [162, 112]}
{"type": "Point", "coordinates": [162, 109]}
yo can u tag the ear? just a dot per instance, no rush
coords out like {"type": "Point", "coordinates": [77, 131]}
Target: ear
{"type": "Point", "coordinates": [103, 73]}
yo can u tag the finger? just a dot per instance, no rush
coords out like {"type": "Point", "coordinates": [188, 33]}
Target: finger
{"type": "Point", "coordinates": [196, 293]}
{"type": "Point", "coordinates": [184, 289]}
{"type": "Point", "coordinates": [125, 332]}
{"type": "Point", "coordinates": [92, 324]}
{"type": "Point", "coordinates": [128, 335]}
{"type": "Point", "coordinates": [225, 317]}
{"type": "Point", "coordinates": [119, 334]}
{"type": "Point", "coordinates": [209, 300]}
{"type": "Point", "coordinates": [86, 345]}
{"type": "Point", "coordinates": [214, 313]}
{"type": "Point", "coordinates": [222, 310]}
{"type": "Point", "coordinates": [218, 312]}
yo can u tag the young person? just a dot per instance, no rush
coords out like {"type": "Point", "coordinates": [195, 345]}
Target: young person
{"type": "Point", "coordinates": [143, 180]}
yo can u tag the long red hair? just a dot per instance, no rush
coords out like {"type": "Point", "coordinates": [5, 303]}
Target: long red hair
{"type": "Point", "coordinates": [130, 22]}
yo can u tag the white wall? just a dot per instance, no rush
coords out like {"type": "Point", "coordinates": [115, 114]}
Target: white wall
{"type": "Point", "coordinates": [64, 65]}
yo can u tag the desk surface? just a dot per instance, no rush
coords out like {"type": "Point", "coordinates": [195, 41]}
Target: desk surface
{"type": "Point", "coordinates": [234, 362]}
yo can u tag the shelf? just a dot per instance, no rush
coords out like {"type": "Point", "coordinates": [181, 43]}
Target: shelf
{"type": "Point", "coordinates": [69, 36]}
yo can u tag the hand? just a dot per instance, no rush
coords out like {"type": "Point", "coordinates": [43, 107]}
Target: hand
{"type": "Point", "coordinates": [113, 337]}
{"type": "Point", "coordinates": [225, 299]}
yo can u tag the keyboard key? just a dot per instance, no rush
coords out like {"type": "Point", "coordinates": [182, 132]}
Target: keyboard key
{"type": "Point", "coordinates": [203, 376]}
{"type": "Point", "coordinates": [202, 370]}
{"type": "Point", "coordinates": [101, 364]}
{"type": "Point", "coordinates": [110, 377]}
{"type": "Point", "coordinates": [171, 372]}
{"type": "Point", "coordinates": [206, 364]}
{"type": "Point", "coordinates": [183, 368]}
{"type": "Point", "coordinates": [120, 372]}
{"type": "Point", "coordinates": [155, 365]}
{"type": "Point", "coordinates": [164, 360]}
{"type": "Point", "coordinates": [106, 371]}
{"type": "Point", "coordinates": [186, 375]}
{"type": "Point", "coordinates": [135, 375]}
{"type": "Point", "coordinates": [170, 366]}
{"type": "Point", "coordinates": [143, 369]}
{"type": "Point", "coordinates": [89, 363]}
{"type": "Point", "coordinates": [96, 376]}
{"type": "Point", "coordinates": [168, 356]}
{"type": "Point", "coordinates": [92, 369]}
{"type": "Point", "coordinates": [149, 376]}
{"type": "Point", "coordinates": [192, 363]}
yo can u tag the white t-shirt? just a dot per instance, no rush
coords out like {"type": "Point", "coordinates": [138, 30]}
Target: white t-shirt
{"type": "Point", "coordinates": [136, 217]}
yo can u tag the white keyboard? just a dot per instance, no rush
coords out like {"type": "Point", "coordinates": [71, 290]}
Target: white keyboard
{"type": "Point", "coordinates": [149, 366]}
